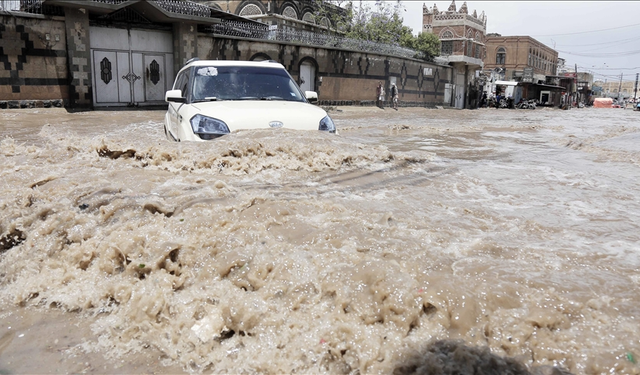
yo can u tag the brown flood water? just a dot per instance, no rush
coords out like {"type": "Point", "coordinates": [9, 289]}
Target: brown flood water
{"type": "Point", "coordinates": [277, 251]}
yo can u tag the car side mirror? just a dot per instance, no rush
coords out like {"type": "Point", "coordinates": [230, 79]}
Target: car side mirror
{"type": "Point", "coordinates": [174, 96]}
{"type": "Point", "coordinates": [311, 96]}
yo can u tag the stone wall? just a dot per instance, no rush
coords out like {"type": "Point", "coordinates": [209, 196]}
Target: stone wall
{"type": "Point", "coordinates": [33, 62]}
{"type": "Point", "coordinates": [46, 61]}
{"type": "Point", "coordinates": [79, 54]}
{"type": "Point", "coordinates": [342, 77]}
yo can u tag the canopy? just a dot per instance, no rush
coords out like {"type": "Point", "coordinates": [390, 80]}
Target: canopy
{"type": "Point", "coordinates": [506, 83]}
{"type": "Point", "coordinates": [602, 103]}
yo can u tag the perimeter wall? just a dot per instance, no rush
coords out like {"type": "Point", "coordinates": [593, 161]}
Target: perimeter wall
{"type": "Point", "coordinates": [342, 77]}
{"type": "Point", "coordinates": [44, 61]}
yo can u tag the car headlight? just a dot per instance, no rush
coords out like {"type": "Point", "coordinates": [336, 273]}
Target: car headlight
{"type": "Point", "coordinates": [207, 127]}
{"type": "Point", "coordinates": [326, 124]}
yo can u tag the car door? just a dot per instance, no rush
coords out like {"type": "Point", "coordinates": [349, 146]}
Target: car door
{"type": "Point", "coordinates": [182, 83]}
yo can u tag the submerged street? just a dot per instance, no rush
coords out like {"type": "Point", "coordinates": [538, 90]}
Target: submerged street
{"type": "Point", "coordinates": [276, 251]}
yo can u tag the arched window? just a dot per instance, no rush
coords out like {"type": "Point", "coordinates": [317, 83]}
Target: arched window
{"type": "Point", "coordinates": [470, 34]}
{"type": "Point", "coordinates": [478, 37]}
{"type": "Point", "coordinates": [309, 17]}
{"type": "Point", "coordinates": [250, 10]}
{"type": "Point", "coordinates": [446, 35]}
{"type": "Point", "coordinates": [501, 56]}
{"type": "Point", "coordinates": [324, 21]}
{"type": "Point", "coordinates": [289, 12]}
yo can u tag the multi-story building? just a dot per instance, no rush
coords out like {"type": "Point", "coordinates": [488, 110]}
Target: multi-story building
{"type": "Point", "coordinates": [292, 15]}
{"type": "Point", "coordinates": [617, 88]}
{"type": "Point", "coordinates": [520, 58]}
{"type": "Point", "coordinates": [462, 38]}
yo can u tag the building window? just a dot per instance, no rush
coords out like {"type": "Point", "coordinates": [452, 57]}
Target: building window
{"type": "Point", "coordinates": [501, 56]}
{"type": "Point", "coordinates": [447, 35]}
{"type": "Point", "coordinates": [478, 54]}
{"type": "Point", "coordinates": [250, 10]}
{"type": "Point", "coordinates": [289, 12]}
{"type": "Point", "coordinates": [446, 48]}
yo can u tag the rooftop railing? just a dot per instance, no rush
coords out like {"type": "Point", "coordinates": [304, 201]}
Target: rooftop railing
{"type": "Point", "coordinates": [263, 32]}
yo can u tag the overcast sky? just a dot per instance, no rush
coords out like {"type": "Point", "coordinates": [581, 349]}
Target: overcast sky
{"type": "Point", "coordinates": [599, 36]}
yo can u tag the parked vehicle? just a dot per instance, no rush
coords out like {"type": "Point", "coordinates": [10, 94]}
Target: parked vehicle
{"type": "Point", "coordinates": [210, 99]}
{"type": "Point", "coordinates": [526, 104]}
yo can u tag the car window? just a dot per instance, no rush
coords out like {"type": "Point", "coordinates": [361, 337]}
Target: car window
{"type": "Point", "coordinates": [182, 82]}
{"type": "Point", "coordinates": [244, 83]}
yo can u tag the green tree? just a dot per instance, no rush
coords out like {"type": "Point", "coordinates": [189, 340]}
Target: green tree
{"type": "Point", "coordinates": [428, 44]}
{"type": "Point", "coordinates": [380, 23]}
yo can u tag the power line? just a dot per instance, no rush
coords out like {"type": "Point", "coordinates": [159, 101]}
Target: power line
{"type": "Point", "coordinates": [604, 54]}
{"type": "Point", "coordinates": [590, 31]}
{"type": "Point", "coordinates": [599, 44]}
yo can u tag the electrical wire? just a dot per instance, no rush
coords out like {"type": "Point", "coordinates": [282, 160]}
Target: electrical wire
{"type": "Point", "coordinates": [622, 41]}
{"type": "Point", "coordinates": [590, 31]}
{"type": "Point", "coordinates": [603, 54]}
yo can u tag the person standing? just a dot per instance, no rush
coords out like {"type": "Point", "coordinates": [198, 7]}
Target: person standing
{"type": "Point", "coordinates": [394, 96]}
{"type": "Point", "coordinates": [380, 95]}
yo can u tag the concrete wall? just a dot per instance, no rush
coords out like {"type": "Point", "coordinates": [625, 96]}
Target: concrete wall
{"type": "Point", "coordinates": [343, 77]}
{"type": "Point", "coordinates": [33, 61]}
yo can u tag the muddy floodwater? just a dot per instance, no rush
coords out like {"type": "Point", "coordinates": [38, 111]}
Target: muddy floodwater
{"type": "Point", "coordinates": [277, 251]}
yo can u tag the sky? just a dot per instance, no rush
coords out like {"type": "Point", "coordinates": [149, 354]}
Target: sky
{"type": "Point", "coordinates": [601, 37]}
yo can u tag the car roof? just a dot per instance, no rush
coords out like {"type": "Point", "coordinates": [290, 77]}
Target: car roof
{"type": "Point", "coordinates": [264, 63]}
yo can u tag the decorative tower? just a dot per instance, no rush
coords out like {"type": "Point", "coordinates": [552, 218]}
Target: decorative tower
{"type": "Point", "coordinates": [452, 7]}
{"type": "Point", "coordinates": [463, 8]}
{"type": "Point", "coordinates": [427, 19]}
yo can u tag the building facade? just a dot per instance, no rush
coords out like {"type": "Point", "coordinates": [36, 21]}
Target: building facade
{"type": "Point", "coordinates": [462, 38]}
{"type": "Point", "coordinates": [285, 14]}
{"type": "Point", "coordinates": [520, 58]}
{"type": "Point", "coordinates": [91, 53]}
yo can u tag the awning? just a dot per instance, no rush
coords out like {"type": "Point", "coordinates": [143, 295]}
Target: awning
{"type": "Point", "coordinates": [550, 87]}
{"type": "Point", "coordinates": [506, 83]}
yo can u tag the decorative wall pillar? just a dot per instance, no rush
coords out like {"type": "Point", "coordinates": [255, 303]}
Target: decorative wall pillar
{"type": "Point", "coordinates": [79, 58]}
{"type": "Point", "coordinates": [185, 43]}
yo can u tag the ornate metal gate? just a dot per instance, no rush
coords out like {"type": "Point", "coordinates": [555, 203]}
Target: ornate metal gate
{"type": "Point", "coordinates": [130, 66]}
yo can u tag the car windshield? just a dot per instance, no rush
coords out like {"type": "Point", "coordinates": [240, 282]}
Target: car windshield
{"type": "Point", "coordinates": [244, 83]}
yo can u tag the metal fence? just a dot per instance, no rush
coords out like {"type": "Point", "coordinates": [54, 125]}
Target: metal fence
{"type": "Point", "coordinates": [29, 6]}
{"type": "Point", "coordinates": [263, 32]}
{"type": "Point", "coordinates": [40, 7]}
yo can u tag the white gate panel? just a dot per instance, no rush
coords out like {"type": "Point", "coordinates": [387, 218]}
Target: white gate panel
{"type": "Point", "coordinates": [105, 73]}
{"type": "Point", "coordinates": [307, 77]}
{"type": "Point", "coordinates": [448, 88]}
{"type": "Point", "coordinates": [148, 40]}
{"type": "Point", "coordinates": [124, 90]}
{"type": "Point", "coordinates": [154, 77]}
{"type": "Point", "coordinates": [141, 63]}
{"type": "Point", "coordinates": [138, 84]}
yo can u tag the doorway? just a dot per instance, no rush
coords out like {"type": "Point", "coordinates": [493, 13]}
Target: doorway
{"type": "Point", "coordinates": [131, 66]}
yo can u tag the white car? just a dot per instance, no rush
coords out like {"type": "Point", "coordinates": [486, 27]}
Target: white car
{"type": "Point", "coordinates": [213, 98]}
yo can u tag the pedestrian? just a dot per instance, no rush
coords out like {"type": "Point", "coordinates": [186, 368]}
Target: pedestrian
{"type": "Point", "coordinates": [394, 96]}
{"type": "Point", "coordinates": [380, 95]}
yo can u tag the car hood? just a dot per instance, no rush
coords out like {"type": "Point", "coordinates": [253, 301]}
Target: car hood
{"type": "Point", "coordinates": [256, 114]}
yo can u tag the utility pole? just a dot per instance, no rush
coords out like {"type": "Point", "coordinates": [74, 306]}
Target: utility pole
{"type": "Point", "coordinates": [620, 88]}
{"type": "Point", "coordinates": [635, 89]}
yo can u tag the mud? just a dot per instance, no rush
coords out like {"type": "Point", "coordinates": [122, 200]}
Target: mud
{"type": "Point", "coordinates": [508, 235]}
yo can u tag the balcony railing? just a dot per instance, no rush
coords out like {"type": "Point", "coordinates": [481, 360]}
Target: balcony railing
{"type": "Point", "coordinates": [263, 32]}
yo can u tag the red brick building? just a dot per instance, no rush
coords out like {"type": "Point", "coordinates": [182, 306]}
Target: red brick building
{"type": "Point", "coordinates": [462, 37]}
